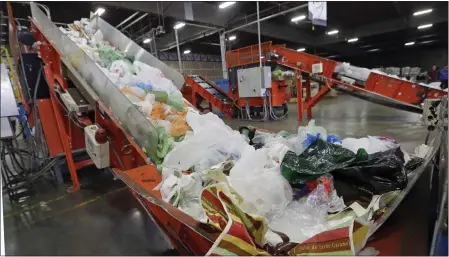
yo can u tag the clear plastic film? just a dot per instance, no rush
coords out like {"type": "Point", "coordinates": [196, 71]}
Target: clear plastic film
{"type": "Point", "coordinates": [304, 218]}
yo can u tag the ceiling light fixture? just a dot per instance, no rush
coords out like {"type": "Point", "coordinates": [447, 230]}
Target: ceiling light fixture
{"type": "Point", "coordinates": [353, 40]}
{"type": "Point", "coordinates": [147, 40]}
{"type": "Point", "coordinates": [187, 52]}
{"type": "Point", "coordinates": [300, 50]}
{"type": "Point", "coordinates": [425, 26]}
{"type": "Point", "coordinates": [179, 25]}
{"type": "Point", "coordinates": [232, 38]}
{"type": "Point", "coordinates": [373, 50]}
{"type": "Point", "coordinates": [225, 4]}
{"type": "Point", "coordinates": [409, 43]}
{"type": "Point", "coordinates": [332, 32]}
{"type": "Point", "coordinates": [298, 18]}
{"type": "Point", "coordinates": [99, 11]}
{"type": "Point", "coordinates": [428, 41]}
{"type": "Point", "coordinates": [422, 12]}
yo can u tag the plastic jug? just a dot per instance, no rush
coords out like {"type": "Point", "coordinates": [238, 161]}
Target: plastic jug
{"type": "Point", "coordinates": [313, 130]}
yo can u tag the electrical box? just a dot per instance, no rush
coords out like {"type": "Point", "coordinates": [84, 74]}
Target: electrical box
{"type": "Point", "coordinates": [249, 83]}
{"type": "Point", "coordinates": [317, 68]}
{"type": "Point", "coordinates": [99, 153]}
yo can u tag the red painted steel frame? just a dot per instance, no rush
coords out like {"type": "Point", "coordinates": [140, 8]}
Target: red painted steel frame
{"type": "Point", "coordinates": [197, 90]}
{"type": "Point", "coordinates": [393, 88]}
{"type": "Point", "coordinates": [60, 132]}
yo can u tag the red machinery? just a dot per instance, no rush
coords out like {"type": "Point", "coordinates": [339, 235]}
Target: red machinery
{"type": "Point", "coordinates": [393, 89]}
{"type": "Point", "coordinates": [127, 159]}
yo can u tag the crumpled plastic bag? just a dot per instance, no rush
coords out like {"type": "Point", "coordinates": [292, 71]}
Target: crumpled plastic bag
{"type": "Point", "coordinates": [382, 172]}
{"type": "Point", "coordinates": [109, 54]}
{"type": "Point", "coordinates": [153, 76]}
{"type": "Point", "coordinates": [217, 173]}
{"type": "Point", "coordinates": [157, 112]}
{"type": "Point", "coordinates": [257, 178]}
{"type": "Point", "coordinates": [122, 67]}
{"type": "Point", "coordinates": [179, 127]}
{"type": "Point", "coordinates": [303, 219]}
{"type": "Point", "coordinates": [372, 144]}
{"type": "Point", "coordinates": [184, 191]}
{"type": "Point", "coordinates": [318, 159]}
{"type": "Point", "coordinates": [213, 134]}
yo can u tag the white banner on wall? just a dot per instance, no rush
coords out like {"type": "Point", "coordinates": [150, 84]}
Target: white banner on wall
{"type": "Point", "coordinates": [318, 13]}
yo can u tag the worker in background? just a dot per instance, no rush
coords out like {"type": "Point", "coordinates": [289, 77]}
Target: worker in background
{"type": "Point", "coordinates": [433, 74]}
{"type": "Point", "coordinates": [443, 77]}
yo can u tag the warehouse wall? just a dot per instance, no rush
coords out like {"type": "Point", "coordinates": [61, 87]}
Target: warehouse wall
{"type": "Point", "coordinates": [211, 70]}
{"type": "Point", "coordinates": [423, 58]}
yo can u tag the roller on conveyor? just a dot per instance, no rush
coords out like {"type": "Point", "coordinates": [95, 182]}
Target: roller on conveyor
{"type": "Point", "coordinates": [201, 88]}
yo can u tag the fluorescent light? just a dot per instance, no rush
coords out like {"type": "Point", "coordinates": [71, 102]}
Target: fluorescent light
{"type": "Point", "coordinates": [187, 52]}
{"type": "Point", "coordinates": [226, 4]}
{"type": "Point", "coordinates": [425, 26]}
{"type": "Point", "coordinates": [232, 38]}
{"type": "Point", "coordinates": [298, 18]}
{"type": "Point", "coordinates": [422, 12]}
{"type": "Point", "coordinates": [300, 50]}
{"type": "Point", "coordinates": [332, 32]}
{"type": "Point", "coordinates": [373, 50]}
{"type": "Point", "coordinates": [353, 40]}
{"type": "Point", "coordinates": [428, 41]}
{"type": "Point", "coordinates": [179, 25]}
{"type": "Point", "coordinates": [147, 40]}
{"type": "Point", "coordinates": [100, 11]}
{"type": "Point", "coordinates": [333, 56]}
{"type": "Point", "coordinates": [409, 43]}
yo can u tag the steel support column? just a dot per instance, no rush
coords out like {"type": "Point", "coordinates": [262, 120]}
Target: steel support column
{"type": "Point", "coordinates": [223, 55]}
{"type": "Point", "coordinates": [179, 52]}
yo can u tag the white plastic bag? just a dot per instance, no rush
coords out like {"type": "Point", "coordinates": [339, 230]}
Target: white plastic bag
{"type": "Point", "coordinates": [211, 158]}
{"type": "Point", "coordinates": [130, 80]}
{"type": "Point", "coordinates": [259, 181]}
{"type": "Point", "coordinates": [145, 107]}
{"type": "Point", "coordinates": [305, 218]}
{"type": "Point", "coordinates": [121, 67]}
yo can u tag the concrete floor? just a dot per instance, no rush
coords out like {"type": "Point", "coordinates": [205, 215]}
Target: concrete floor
{"type": "Point", "coordinates": [104, 218]}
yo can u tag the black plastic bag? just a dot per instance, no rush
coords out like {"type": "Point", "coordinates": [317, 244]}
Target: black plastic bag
{"type": "Point", "coordinates": [318, 159]}
{"type": "Point", "coordinates": [382, 172]}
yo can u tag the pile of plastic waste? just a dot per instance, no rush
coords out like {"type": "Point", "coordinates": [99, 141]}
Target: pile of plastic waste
{"type": "Point", "coordinates": [292, 180]}
{"type": "Point", "coordinates": [146, 87]}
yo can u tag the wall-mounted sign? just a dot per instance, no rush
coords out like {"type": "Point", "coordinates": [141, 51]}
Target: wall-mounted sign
{"type": "Point", "coordinates": [318, 13]}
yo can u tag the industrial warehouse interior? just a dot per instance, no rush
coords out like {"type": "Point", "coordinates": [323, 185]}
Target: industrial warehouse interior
{"type": "Point", "coordinates": [224, 128]}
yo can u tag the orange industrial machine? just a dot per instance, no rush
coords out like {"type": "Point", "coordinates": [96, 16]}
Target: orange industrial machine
{"type": "Point", "coordinates": [307, 68]}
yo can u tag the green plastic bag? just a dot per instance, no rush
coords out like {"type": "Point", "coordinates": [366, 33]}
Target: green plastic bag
{"type": "Point", "coordinates": [318, 159]}
{"type": "Point", "coordinates": [160, 96]}
{"type": "Point", "coordinates": [108, 54]}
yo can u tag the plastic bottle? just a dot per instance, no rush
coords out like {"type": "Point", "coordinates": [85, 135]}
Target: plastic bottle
{"type": "Point", "coordinates": [314, 130]}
